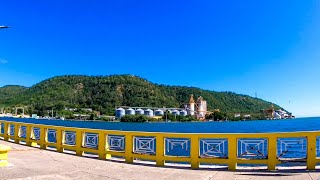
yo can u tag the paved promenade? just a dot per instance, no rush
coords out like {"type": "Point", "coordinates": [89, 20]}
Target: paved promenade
{"type": "Point", "coordinates": [32, 163]}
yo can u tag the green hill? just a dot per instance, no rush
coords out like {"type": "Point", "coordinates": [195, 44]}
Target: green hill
{"type": "Point", "coordinates": [10, 95]}
{"type": "Point", "coordinates": [103, 93]}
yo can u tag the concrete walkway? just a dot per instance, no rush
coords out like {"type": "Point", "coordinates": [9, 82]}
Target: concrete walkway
{"type": "Point", "coordinates": [32, 163]}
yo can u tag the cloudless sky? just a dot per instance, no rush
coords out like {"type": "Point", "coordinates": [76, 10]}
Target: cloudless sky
{"type": "Point", "coordinates": [271, 48]}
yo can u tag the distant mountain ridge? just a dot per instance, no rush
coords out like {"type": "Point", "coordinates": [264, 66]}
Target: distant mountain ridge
{"type": "Point", "coordinates": [103, 93]}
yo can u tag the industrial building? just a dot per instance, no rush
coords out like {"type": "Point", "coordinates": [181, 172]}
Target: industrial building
{"type": "Point", "coordinates": [195, 108]}
{"type": "Point", "coordinates": [198, 108]}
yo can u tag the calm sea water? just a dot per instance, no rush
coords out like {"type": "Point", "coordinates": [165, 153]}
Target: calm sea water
{"type": "Point", "coordinates": [289, 125]}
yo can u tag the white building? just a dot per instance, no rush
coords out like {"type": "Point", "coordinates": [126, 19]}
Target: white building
{"type": "Point", "coordinates": [283, 114]}
{"type": "Point", "coordinates": [198, 108]}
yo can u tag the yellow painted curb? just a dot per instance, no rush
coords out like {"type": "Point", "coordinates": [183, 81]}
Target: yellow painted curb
{"type": "Point", "coordinates": [4, 155]}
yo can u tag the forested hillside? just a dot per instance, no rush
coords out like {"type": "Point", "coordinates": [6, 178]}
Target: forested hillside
{"type": "Point", "coordinates": [11, 95]}
{"type": "Point", "coordinates": [103, 93]}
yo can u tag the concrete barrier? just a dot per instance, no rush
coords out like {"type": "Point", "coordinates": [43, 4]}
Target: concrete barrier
{"type": "Point", "coordinates": [230, 149]}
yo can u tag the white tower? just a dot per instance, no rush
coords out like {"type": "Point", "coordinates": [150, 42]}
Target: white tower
{"type": "Point", "coordinates": [191, 105]}
{"type": "Point", "coordinates": [202, 107]}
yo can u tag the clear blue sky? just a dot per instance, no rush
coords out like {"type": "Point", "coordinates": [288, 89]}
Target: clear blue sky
{"type": "Point", "coordinates": [269, 47]}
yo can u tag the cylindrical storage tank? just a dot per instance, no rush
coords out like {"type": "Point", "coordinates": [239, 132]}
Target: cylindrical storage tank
{"type": "Point", "coordinates": [130, 111]}
{"type": "Point", "coordinates": [159, 112]}
{"type": "Point", "coordinates": [148, 112]}
{"type": "Point", "coordinates": [183, 113]}
{"type": "Point", "coordinates": [175, 112]}
{"type": "Point", "coordinates": [140, 111]}
{"type": "Point", "coordinates": [120, 112]}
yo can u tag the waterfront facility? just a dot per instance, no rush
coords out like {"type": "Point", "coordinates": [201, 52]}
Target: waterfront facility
{"type": "Point", "coordinates": [195, 108]}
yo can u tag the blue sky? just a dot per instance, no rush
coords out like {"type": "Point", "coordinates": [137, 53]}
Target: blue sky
{"type": "Point", "coordinates": [271, 48]}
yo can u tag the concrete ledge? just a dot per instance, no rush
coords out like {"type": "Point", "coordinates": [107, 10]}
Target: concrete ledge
{"type": "Point", "coordinates": [4, 155]}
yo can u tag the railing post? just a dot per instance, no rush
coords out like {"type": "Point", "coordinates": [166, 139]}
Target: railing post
{"type": "Point", "coordinates": [272, 153]}
{"type": "Point", "coordinates": [194, 152]}
{"type": "Point", "coordinates": [28, 135]}
{"type": "Point", "coordinates": [79, 142]}
{"type": "Point", "coordinates": [43, 140]}
{"type": "Point", "coordinates": [160, 150]}
{"type": "Point", "coordinates": [59, 139]}
{"type": "Point", "coordinates": [129, 148]}
{"type": "Point", "coordinates": [232, 153]}
{"type": "Point", "coordinates": [107, 146]}
{"type": "Point", "coordinates": [5, 131]}
{"type": "Point", "coordinates": [103, 146]}
{"type": "Point", "coordinates": [312, 152]}
{"type": "Point", "coordinates": [16, 133]}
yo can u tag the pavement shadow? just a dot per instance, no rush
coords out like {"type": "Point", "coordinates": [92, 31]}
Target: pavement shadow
{"type": "Point", "coordinates": [275, 173]}
{"type": "Point", "coordinates": [268, 174]}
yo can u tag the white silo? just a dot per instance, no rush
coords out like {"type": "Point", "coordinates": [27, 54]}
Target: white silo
{"type": "Point", "coordinates": [120, 112]}
{"type": "Point", "coordinates": [130, 111]}
{"type": "Point", "coordinates": [159, 112]}
{"type": "Point", "coordinates": [140, 111]}
{"type": "Point", "coordinates": [148, 113]}
{"type": "Point", "coordinates": [183, 113]}
{"type": "Point", "coordinates": [175, 112]}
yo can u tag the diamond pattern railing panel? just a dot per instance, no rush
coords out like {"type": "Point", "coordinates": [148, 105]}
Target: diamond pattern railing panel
{"type": "Point", "coordinates": [11, 130]}
{"type": "Point", "coordinates": [91, 140]}
{"type": "Point", "coordinates": [214, 148]}
{"type": "Point", "coordinates": [35, 133]}
{"type": "Point", "coordinates": [23, 132]}
{"type": "Point", "coordinates": [70, 138]}
{"type": "Point", "coordinates": [145, 145]}
{"type": "Point", "coordinates": [318, 146]}
{"type": "Point", "coordinates": [52, 135]}
{"type": "Point", "coordinates": [292, 148]}
{"type": "Point", "coordinates": [253, 148]}
{"type": "Point", "coordinates": [1, 128]}
{"type": "Point", "coordinates": [116, 143]}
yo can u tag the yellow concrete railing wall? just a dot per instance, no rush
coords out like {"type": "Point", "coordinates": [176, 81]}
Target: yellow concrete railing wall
{"type": "Point", "coordinates": [129, 154]}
